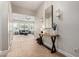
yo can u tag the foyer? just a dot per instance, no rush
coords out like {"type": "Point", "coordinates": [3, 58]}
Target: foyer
{"type": "Point", "coordinates": [26, 46]}
{"type": "Point", "coordinates": [28, 28]}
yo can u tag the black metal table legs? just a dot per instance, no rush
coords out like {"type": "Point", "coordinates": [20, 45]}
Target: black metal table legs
{"type": "Point", "coordinates": [53, 38]}
{"type": "Point", "coordinates": [39, 40]}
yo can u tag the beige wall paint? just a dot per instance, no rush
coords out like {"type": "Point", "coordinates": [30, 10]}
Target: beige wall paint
{"type": "Point", "coordinates": [67, 26]}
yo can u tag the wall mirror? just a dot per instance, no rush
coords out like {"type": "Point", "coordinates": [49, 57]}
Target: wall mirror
{"type": "Point", "coordinates": [49, 17]}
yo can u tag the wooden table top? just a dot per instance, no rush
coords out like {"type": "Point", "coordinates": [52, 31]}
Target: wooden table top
{"type": "Point", "coordinates": [48, 34]}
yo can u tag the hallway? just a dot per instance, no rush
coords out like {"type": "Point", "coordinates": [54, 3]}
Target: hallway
{"type": "Point", "coordinates": [25, 46]}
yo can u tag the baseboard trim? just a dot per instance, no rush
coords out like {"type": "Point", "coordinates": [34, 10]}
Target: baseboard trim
{"type": "Point", "coordinates": [0, 52]}
{"type": "Point", "coordinates": [65, 53]}
{"type": "Point", "coordinates": [3, 53]}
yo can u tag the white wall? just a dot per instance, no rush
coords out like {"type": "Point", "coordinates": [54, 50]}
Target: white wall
{"type": "Point", "coordinates": [0, 27]}
{"type": "Point", "coordinates": [4, 25]}
{"type": "Point", "coordinates": [39, 16]}
{"type": "Point", "coordinates": [67, 26]}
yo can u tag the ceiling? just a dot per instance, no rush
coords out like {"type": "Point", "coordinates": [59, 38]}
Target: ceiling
{"type": "Point", "coordinates": [30, 5]}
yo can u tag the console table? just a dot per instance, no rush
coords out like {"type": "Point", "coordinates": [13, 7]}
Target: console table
{"type": "Point", "coordinates": [53, 39]}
